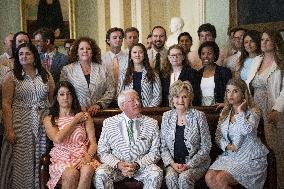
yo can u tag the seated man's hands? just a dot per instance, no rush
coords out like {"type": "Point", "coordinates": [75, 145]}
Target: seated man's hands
{"type": "Point", "coordinates": [127, 169]}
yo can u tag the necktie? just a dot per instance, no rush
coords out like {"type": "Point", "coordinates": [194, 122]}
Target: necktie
{"type": "Point", "coordinates": [130, 130]}
{"type": "Point", "coordinates": [158, 61]}
{"type": "Point", "coordinates": [46, 61]}
{"type": "Point", "coordinates": [115, 67]}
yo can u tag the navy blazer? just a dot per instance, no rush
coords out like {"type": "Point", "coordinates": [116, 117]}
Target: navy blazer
{"type": "Point", "coordinates": [221, 78]}
{"type": "Point", "coordinates": [59, 60]}
{"type": "Point", "coordinates": [186, 74]}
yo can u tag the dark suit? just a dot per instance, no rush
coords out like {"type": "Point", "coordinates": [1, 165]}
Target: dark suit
{"type": "Point", "coordinates": [186, 74]}
{"type": "Point", "coordinates": [58, 61]}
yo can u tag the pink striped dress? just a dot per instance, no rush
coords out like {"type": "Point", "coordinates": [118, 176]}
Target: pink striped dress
{"type": "Point", "coordinates": [69, 152]}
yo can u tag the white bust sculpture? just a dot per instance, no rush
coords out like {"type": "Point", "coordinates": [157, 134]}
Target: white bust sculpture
{"type": "Point", "coordinates": [176, 26]}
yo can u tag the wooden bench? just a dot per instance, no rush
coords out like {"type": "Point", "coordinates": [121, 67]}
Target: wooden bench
{"type": "Point", "coordinates": [156, 113]}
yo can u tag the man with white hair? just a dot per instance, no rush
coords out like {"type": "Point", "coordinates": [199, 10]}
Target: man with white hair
{"type": "Point", "coordinates": [129, 146]}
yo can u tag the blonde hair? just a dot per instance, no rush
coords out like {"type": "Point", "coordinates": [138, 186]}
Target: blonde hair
{"type": "Point", "coordinates": [177, 87]}
{"type": "Point", "coordinates": [246, 95]}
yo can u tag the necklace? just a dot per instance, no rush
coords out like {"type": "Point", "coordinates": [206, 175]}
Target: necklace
{"type": "Point", "coordinates": [86, 68]}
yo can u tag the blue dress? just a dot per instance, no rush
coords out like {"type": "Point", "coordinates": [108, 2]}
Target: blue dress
{"type": "Point", "coordinates": [248, 164]}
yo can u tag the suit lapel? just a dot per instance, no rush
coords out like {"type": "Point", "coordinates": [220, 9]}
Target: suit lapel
{"type": "Point", "coordinates": [173, 123]}
{"type": "Point", "coordinates": [120, 125]}
{"type": "Point", "coordinates": [93, 78]}
{"type": "Point", "coordinates": [82, 79]}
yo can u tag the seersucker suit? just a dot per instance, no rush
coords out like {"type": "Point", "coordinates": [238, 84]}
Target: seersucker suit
{"type": "Point", "coordinates": [113, 148]}
{"type": "Point", "coordinates": [198, 142]}
{"type": "Point", "coordinates": [151, 93]}
{"type": "Point", "coordinates": [101, 84]}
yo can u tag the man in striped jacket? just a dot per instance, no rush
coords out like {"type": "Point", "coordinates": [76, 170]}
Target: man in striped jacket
{"type": "Point", "coordinates": [129, 146]}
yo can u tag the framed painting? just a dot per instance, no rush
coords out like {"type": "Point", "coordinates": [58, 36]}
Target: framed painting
{"type": "Point", "coordinates": [58, 15]}
{"type": "Point", "coordinates": [257, 14]}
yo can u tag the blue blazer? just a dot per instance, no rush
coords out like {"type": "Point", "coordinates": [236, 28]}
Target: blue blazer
{"type": "Point", "coordinates": [59, 60]}
{"type": "Point", "coordinates": [221, 78]}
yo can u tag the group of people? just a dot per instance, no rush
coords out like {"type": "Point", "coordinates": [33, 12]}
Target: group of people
{"type": "Point", "coordinates": [48, 95]}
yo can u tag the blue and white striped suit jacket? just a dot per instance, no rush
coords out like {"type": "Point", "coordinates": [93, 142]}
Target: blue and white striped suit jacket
{"type": "Point", "coordinates": [151, 93]}
{"type": "Point", "coordinates": [196, 137]}
{"type": "Point", "coordinates": [244, 136]}
{"type": "Point", "coordinates": [113, 148]}
{"type": "Point", "coordinates": [101, 87]}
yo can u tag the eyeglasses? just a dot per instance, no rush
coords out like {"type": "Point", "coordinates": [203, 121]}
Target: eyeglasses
{"type": "Point", "coordinates": [172, 56]}
{"type": "Point", "coordinates": [238, 38]}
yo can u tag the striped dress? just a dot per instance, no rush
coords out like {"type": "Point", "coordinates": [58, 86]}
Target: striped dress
{"type": "Point", "coordinates": [248, 164]}
{"type": "Point", "coordinates": [20, 162]}
{"type": "Point", "coordinates": [69, 152]}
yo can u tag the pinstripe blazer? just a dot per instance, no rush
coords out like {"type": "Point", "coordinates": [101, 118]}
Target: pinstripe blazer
{"type": "Point", "coordinates": [151, 93]}
{"type": "Point", "coordinates": [112, 146]}
{"type": "Point", "coordinates": [196, 137]}
{"type": "Point", "coordinates": [101, 84]}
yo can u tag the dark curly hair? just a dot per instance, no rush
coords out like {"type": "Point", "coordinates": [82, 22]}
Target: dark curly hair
{"type": "Point", "coordinates": [207, 28]}
{"type": "Point", "coordinates": [115, 29]}
{"type": "Point", "coordinates": [130, 69]}
{"type": "Point", "coordinates": [18, 68]}
{"type": "Point", "coordinates": [54, 109]}
{"type": "Point", "coordinates": [213, 46]}
{"type": "Point", "coordinates": [96, 58]}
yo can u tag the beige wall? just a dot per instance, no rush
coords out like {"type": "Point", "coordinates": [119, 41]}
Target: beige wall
{"type": "Point", "coordinates": [217, 13]}
{"type": "Point", "coordinates": [94, 17]}
{"type": "Point", "coordinates": [10, 18]}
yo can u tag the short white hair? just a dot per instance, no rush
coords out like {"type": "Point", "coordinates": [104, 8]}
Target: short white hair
{"type": "Point", "coordinates": [122, 95]}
